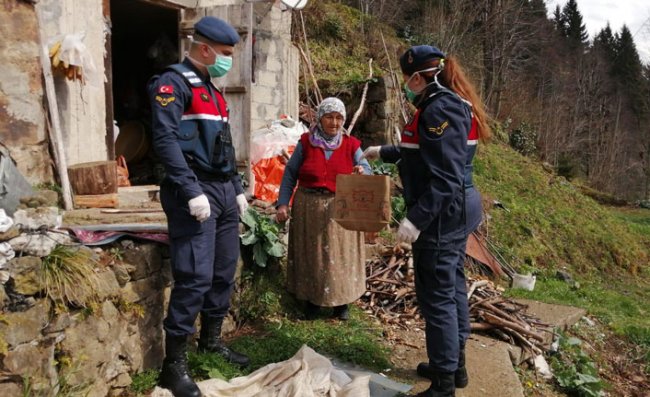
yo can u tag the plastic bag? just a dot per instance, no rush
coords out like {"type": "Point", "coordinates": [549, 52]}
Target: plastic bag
{"type": "Point", "coordinates": [270, 149]}
{"type": "Point", "coordinates": [69, 54]}
{"type": "Point", "coordinates": [122, 172]}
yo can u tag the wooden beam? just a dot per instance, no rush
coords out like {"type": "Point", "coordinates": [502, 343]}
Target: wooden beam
{"type": "Point", "coordinates": [56, 135]}
{"type": "Point", "coordinates": [96, 200]}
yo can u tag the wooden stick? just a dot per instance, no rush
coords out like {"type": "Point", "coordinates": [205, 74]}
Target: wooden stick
{"type": "Point", "coordinates": [363, 99]}
{"type": "Point", "coordinates": [494, 320]}
{"type": "Point", "coordinates": [504, 315]}
{"type": "Point", "coordinates": [475, 285]}
{"type": "Point", "coordinates": [319, 97]}
{"type": "Point", "coordinates": [56, 136]}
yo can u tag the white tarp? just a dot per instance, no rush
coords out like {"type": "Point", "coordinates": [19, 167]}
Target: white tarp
{"type": "Point", "coordinates": [306, 374]}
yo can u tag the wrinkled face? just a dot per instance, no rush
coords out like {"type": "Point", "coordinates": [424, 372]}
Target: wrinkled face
{"type": "Point", "coordinates": [332, 123]}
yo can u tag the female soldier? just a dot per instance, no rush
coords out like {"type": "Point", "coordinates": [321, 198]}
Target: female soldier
{"type": "Point", "coordinates": [326, 265]}
{"type": "Point", "coordinates": [435, 163]}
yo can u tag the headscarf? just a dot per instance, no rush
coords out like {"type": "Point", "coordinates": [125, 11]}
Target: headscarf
{"type": "Point", "coordinates": [317, 137]}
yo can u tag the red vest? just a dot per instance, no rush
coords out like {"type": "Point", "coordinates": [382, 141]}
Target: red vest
{"type": "Point", "coordinates": [318, 172]}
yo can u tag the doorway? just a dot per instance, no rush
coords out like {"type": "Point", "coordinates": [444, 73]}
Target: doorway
{"type": "Point", "coordinates": [144, 41]}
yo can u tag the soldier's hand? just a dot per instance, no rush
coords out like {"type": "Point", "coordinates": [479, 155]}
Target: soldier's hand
{"type": "Point", "coordinates": [407, 232]}
{"type": "Point", "coordinates": [199, 207]}
{"type": "Point", "coordinates": [371, 153]}
{"type": "Point", "coordinates": [283, 214]}
{"type": "Point", "coordinates": [242, 203]}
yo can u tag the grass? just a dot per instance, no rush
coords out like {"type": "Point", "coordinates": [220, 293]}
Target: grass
{"type": "Point", "coordinates": [356, 341]}
{"type": "Point", "coordinates": [68, 276]}
{"type": "Point", "coordinates": [549, 225]}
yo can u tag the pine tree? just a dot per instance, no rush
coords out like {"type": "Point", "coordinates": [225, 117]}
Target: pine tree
{"type": "Point", "coordinates": [575, 29]}
{"type": "Point", "coordinates": [627, 66]}
{"type": "Point", "coordinates": [605, 44]}
{"type": "Point", "coordinates": [558, 20]}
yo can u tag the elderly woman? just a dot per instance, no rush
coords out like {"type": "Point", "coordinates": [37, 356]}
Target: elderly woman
{"type": "Point", "coordinates": [326, 262]}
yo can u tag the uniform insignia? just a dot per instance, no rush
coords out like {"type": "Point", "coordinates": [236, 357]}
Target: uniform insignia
{"type": "Point", "coordinates": [439, 130]}
{"type": "Point", "coordinates": [165, 101]}
{"type": "Point", "coordinates": [205, 97]}
{"type": "Point", "coordinates": [166, 89]}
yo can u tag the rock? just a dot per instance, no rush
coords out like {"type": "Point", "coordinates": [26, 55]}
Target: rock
{"type": "Point", "coordinates": [35, 218]}
{"type": "Point", "coordinates": [59, 323]}
{"type": "Point", "coordinates": [107, 285]}
{"type": "Point", "coordinates": [11, 389]}
{"type": "Point", "coordinates": [136, 291]}
{"type": "Point", "coordinates": [39, 244]}
{"type": "Point", "coordinates": [3, 297]}
{"type": "Point", "coordinates": [13, 231]}
{"type": "Point", "coordinates": [6, 254]}
{"type": "Point", "coordinates": [47, 198]}
{"type": "Point", "coordinates": [122, 272]}
{"type": "Point", "coordinates": [23, 327]}
{"type": "Point", "coordinates": [33, 362]}
{"type": "Point", "coordinates": [146, 258]}
{"type": "Point", "coordinates": [26, 273]}
{"type": "Point", "coordinates": [376, 91]}
{"type": "Point", "coordinates": [564, 276]}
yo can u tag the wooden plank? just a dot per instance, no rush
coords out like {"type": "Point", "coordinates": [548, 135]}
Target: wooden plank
{"type": "Point", "coordinates": [108, 86]}
{"type": "Point", "coordinates": [96, 200]}
{"type": "Point", "coordinates": [56, 136]}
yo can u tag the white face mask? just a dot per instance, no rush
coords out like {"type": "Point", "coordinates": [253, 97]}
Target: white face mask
{"type": "Point", "coordinates": [222, 64]}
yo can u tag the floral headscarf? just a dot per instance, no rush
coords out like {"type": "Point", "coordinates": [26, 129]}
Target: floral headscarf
{"type": "Point", "coordinates": [317, 137]}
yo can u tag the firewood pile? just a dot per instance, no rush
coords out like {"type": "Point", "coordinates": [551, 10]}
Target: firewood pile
{"type": "Point", "coordinates": [390, 296]}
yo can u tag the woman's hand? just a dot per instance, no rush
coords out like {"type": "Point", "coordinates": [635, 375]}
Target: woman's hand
{"type": "Point", "coordinates": [357, 169]}
{"type": "Point", "coordinates": [283, 214]}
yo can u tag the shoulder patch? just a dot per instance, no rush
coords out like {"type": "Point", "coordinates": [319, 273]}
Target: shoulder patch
{"type": "Point", "coordinates": [440, 129]}
{"type": "Point", "coordinates": [166, 89]}
{"type": "Point", "coordinates": [165, 101]}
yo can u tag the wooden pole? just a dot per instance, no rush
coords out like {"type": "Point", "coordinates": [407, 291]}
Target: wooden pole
{"type": "Point", "coordinates": [363, 99]}
{"type": "Point", "coordinates": [55, 132]}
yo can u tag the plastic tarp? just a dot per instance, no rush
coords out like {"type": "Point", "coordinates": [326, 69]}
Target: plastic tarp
{"type": "Point", "coordinates": [269, 148]}
{"type": "Point", "coordinates": [306, 374]}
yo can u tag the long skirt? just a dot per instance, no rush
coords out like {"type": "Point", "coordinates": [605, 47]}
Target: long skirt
{"type": "Point", "coordinates": [326, 263]}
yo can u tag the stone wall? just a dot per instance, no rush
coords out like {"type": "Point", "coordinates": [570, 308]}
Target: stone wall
{"type": "Point", "coordinates": [22, 122]}
{"type": "Point", "coordinates": [51, 348]}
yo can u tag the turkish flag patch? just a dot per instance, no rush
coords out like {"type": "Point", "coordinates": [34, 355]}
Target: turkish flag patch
{"type": "Point", "coordinates": [166, 89]}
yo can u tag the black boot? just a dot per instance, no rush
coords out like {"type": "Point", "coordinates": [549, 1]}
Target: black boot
{"type": "Point", "coordinates": [210, 342]}
{"type": "Point", "coordinates": [311, 311]}
{"type": "Point", "coordinates": [460, 376]}
{"type": "Point", "coordinates": [442, 385]}
{"type": "Point", "coordinates": [342, 312]}
{"type": "Point", "coordinates": [174, 374]}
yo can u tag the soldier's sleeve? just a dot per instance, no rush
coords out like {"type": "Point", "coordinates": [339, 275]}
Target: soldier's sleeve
{"type": "Point", "coordinates": [389, 153]}
{"type": "Point", "coordinates": [443, 130]}
{"type": "Point", "coordinates": [168, 94]}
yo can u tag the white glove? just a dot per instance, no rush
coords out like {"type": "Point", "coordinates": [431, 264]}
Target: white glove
{"type": "Point", "coordinates": [200, 207]}
{"type": "Point", "coordinates": [371, 153]}
{"type": "Point", "coordinates": [407, 232]}
{"type": "Point", "coordinates": [242, 203]}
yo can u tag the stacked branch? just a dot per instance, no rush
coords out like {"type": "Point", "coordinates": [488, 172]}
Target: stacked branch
{"type": "Point", "coordinates": [390, 296]}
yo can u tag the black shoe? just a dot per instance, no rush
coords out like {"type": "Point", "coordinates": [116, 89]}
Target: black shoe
{"type": "Point", "coordinates": [210, 342]}
{"type": "Point", "coordinates": [461, 379]}
{"type": "Point", "coordinates": [311, 311]}
{"type": "Point", "coordinates": [442, 385]}
{"type": "Point", "coordinates": [174, 374]}
{"type": "Point", "coordinates": [342, 312]}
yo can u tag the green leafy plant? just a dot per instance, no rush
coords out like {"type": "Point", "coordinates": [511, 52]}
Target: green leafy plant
{"type": "Point", "coordinates": [524, 139]}
{"type": "Point", "coordinates": [68, 276]}
{"type": "Point", "coordinates": [398, 208]}
{"type": "Point", "coordinates": [380, 168]}
{"type": "Point", "coordinates": [145, 381]}
{"type": "Point", "coordinates": [263, 234]}
{"type": "Point", "coordinates": [574, 370]}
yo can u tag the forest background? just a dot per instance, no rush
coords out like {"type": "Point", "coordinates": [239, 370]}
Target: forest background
{"type": "Point", "coordinates": [582, 105]}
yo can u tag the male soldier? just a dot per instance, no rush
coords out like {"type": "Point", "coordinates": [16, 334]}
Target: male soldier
{"type": "Point", "coordinates": [201, 195]}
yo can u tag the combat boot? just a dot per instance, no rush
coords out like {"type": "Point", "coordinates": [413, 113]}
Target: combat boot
{"type": "Point", "coordinates": [210, 342]}
{"type": "Point", "coordinates": [174, 374]}
{"type": "Point", "coordinates": [442, 385]}
{"type": "Point", "coordinates": [461, 379]}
